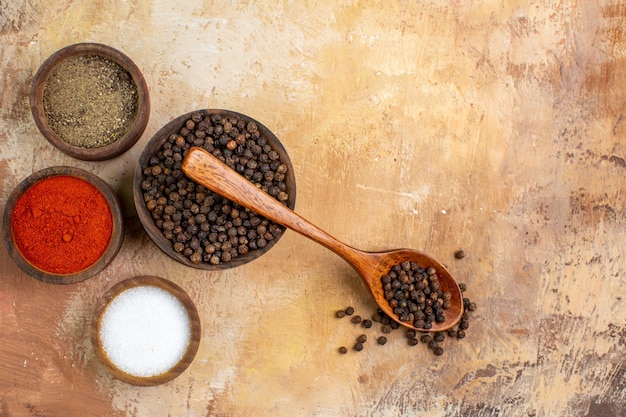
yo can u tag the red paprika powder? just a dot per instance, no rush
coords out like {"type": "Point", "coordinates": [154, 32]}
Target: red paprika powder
{"type": "Point", "coordinates": [62, 224]}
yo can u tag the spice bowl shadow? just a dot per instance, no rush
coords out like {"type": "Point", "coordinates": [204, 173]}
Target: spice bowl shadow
{"type": "Point", "coordinates": [119, 348]}
{"type": "Point", "coordinates": [69, 230]}
{"type": "Point", "coordinates": [155, 145]}
{"type": "Point", "coordinates": [125, 137]}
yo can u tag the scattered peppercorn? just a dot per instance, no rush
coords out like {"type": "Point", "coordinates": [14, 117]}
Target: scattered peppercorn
{"type": "Point", "coordinates": [340, 314]}
{"type": "Point", "coordinates": [432, 340]}
{"type": "Point", "coordinates": [463, 287]}
{"type": "Point", "coordinates": [460, 254]}
{"type": "Point", "coordinates": [343, 350]}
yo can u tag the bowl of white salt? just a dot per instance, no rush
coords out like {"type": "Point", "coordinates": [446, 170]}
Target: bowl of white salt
{"type": "Point", "coordinates": [145, 331]}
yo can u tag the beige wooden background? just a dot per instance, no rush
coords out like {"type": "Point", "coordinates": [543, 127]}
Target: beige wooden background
{"type": "Point", "coordinates": [496, 126]}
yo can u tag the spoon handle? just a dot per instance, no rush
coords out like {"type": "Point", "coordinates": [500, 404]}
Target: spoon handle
{"type": "Point", "coordinates": [206, 169]}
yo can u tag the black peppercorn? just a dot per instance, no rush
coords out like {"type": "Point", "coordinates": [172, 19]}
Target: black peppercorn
{"type": "Point", "coordinates": [411, 280]}
{"type": "Point", "coordinates": [340, 314]}
{"type": "Point", "coordinates": [419, 323]}
{"type": "Point", "coordinates": [356, 319]}
{"type": "Point", "coordinates": [343, 350]}
{"type": "Point", "coordinates": [409, 288]}
{"type": "Point", "coordinates": [460, 254]}
{"type": "Point", "coordinates": [171, 197]}
{"type": "Point", "coordinates": [196, 257]}
{"type": "Point", "coordinates": [358, 347]}
{"type": "Point", "coordinates": [366, 323]}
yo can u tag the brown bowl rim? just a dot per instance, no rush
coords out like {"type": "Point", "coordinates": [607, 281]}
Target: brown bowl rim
{"type": "Point", "coordinates": [90, 154]}
{"type": "Point", "coordinates": [194, 323]}
{"type": "Point", "coordinates": [109, 254]}
{"type": "Point", "coordinates": [146, 219]}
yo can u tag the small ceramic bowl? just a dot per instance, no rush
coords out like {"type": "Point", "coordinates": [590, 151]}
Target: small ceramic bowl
{"type": "Point", "coordinates": [155, 145]}
{"type": "Point", "coordinates": [145, 331]}
{"type": "Point", "coordinates": [141, 113]}
{"type": "Point", "coordinates": [111, 250]}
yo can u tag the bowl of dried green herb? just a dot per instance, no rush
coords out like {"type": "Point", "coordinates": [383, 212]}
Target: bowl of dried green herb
{"type": "Point", "coordinates": [90, 101]}
{"type": "Point", "coordinates": [194, 225]}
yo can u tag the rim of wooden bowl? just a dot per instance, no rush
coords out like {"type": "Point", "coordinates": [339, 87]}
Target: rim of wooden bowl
{"type": "Point", "coordinates": [90, 154]}
{"type": "Point", "coordinates": [194, 323]}
{"type": "Point", "coordinates": [117, 235]}
{"type": "Point", "coordinates": [146, 219]}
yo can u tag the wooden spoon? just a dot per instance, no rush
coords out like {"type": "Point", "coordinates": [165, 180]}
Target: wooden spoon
{"type": "Point", "coordinates": [205, 169]}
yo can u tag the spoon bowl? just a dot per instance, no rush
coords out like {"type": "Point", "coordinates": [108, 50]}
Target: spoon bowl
{"type": "Point", "coordinates": [204, 168]}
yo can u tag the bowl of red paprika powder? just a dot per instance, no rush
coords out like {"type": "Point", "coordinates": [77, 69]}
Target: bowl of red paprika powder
{"type": "Point", "coordinates": [63, 225]}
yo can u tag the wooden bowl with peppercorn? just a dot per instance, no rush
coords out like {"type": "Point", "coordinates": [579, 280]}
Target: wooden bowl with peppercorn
{"type": "Point", "coordinates": [62, 225]}
{"type": "Point", "coordinates": [90, 101]}
{"type": "Point", "coordinates": [145, 330]}
{"type": "Point", "coordinates": [190, 223]}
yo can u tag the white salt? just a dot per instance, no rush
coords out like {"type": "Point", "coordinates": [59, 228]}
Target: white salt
{"type": "Point", "coordinates": [145, 331]}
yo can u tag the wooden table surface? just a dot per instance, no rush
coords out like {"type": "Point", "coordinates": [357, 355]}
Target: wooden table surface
{"type": "Point", "coordinates": [496, 127]}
